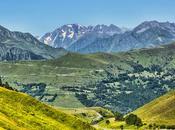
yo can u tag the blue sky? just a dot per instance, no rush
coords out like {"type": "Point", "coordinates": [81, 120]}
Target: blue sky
{"type": "Point", "coordinates": [40, 16]}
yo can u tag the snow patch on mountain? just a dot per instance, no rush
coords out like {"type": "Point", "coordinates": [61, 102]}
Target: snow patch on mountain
{"type": "Point", "coordinates": [160, 39]}
{"type": "Point", "coordinates": [66, 35]}
{"type": "Point", "coordinates": [142, 30]}
{"type": "Point", "coordinates": [47, 40]}
{"type": "Point", "coordinates": [71, 34]}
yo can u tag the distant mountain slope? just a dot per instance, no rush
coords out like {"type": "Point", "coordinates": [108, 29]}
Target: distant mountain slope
{"type": "Point", "coordinates": [108, 80]}
{"type": "Point", "coordinates": [102, 38]}
{"type": "Point", "coordinates": [23, 46]}
{"type": "Point", "coordinates": [64, 36]}
{"type": "Point", "coordinates": [68, 35]}
{"type": "Point", "coordinates": [20, 111]}
{"type": "Point", "coordinates": [147, 34]}
{"type": "Point", "coordinates": [159, 111]}
{"type": "Point", "coordinates": [85, 40]}
{"type": "Point", "coordinates": [76, 60]}
{"type": "Point", "coordinates": [134, 78]}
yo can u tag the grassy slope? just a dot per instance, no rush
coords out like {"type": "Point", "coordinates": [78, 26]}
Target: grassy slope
{"type": "Point", "coordinates": [148, 56]}
{"type": "Point", "coordinates": [89, 114]}
{"type": "Point", "coordinates": [159, 111]}
{"type": "Point", "coordinates": [20, 111]}
{"type": "Point", "coordinates": [76, 60]}
{"type": "Point", "coordinates": [71, 69]}
{"type": "Point", "coordinates": [113, 125]}
{"type": "Point", "coordinates": [77, 70]}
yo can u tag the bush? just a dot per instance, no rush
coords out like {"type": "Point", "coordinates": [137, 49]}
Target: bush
{"type": "Point", "coordinates": [144, 124]}
{"type": "Point", "coordinates": [162, 126]}
{"type": "Point", "coordinates": [155, 126]}
{"type": "Point", "coordinates": [118, 116]}
{"type": "Point", "coordinates": [107, 122]}
{"type": "Point", "coordinates": [171, 127]}
{"type": "Point", "coordinates": [150, 126]}
{"type": "Point", "coordinates": [133, 120]}
{"type": "Point", "coordinates": [0, 81]}
{"type": "Point", "coordinates": [121, 127]}
{"type": "Point", "coordinates": [84, 114]}
{"type": "Point", "coordinates": [7, 85]}
{"type": "Point", "coordinates": [138, 122]}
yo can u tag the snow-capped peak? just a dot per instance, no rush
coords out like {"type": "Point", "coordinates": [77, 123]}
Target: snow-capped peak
{"type": "Point", "coordinates": [69, 25]}
{"type": "Point", "coordinates": [65, 35]}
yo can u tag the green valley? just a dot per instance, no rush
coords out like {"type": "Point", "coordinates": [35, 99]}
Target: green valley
{"type": "Point", "coordinates": [100, 79]}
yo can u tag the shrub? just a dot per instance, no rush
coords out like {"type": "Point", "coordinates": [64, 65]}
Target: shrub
{"type": "Point", "coordinates": [0, 81]}
{"type": "Point", "coordinates": [138, 122]}
{"type": "Point", "coordinates": [171, 127]}
{"type": "Point", "coordinates": [155, 126]}
{"type": "Point", "coordinates": [84, 114]}
{"type": "Point", "coordinates": [144, 124]}
{"type": "Point", "coordinates": [118, 116]}
{"type": "Point", "coordinates": [7, 85]}
{"type": "Point", "coordinates": [133, 120]}
{"type": "Point", "coordinates": [162, 126]}
{"type": "Point", "coordinates": [150, 126]}
{"type": "Point", "coordinates": [107, 122]}
{"type": "Point", "coordinates": [121, 127]}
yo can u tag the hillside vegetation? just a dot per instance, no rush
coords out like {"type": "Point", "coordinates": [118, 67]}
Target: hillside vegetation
{"type": "Point", "coordinates": [91, 115]}
{"type": "Point", "coordinates": [20, 111]}
{"type": "Point", "coordinates": [99, 79]}
{"type": "Point", "coordinates": [160, 111]}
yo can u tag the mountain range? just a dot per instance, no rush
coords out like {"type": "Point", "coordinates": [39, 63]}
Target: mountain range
{"type": "Point", "coordinates": [103, 38]}
{"type": "Point", "coordinates": [67, 35]}
{"type": "Point", "coordinates": [24, 46]}
{"type": "Point", "coordinates": [78, 38]}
